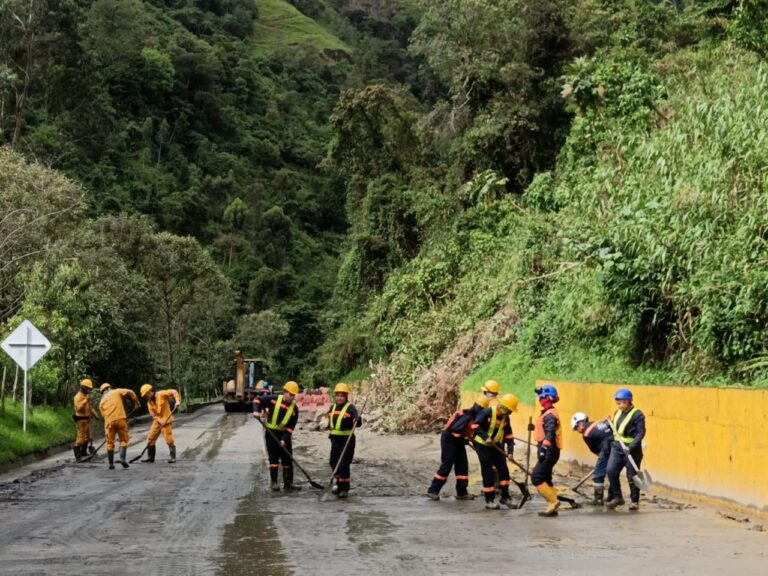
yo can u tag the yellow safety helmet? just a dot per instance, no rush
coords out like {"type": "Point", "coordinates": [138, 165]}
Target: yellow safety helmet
{"type": "Point", "coordinates": [104, 386]}
{"type": "Point", "coordinates": [145, 389]}
{"type": "Point", "coordinates": [509, 402]}
{"type": "Point", "coordinates": [483, 401]}
{"type": "Point", "coordinates": [291, 387]}
{"type": "Point", "coordinates": [491, 386]}
{"type": "Point", "coordinates": [342, 387]}
{"type": "Point", "coordinates": [86, 383]}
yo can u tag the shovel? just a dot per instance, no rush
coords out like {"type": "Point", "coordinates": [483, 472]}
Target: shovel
{"type": "Point", "coordinates": [92, 454]}
{"type": "Point", "coordinates": [132, 460]}
{"type": "Point", "coordinates": [328, 486]}
{"type": "Point", "coordinates": [293, 459]}
{"type": "Point", "coordinates": [586, 477]}
{"type": "Point", "coordinates": [642, 478]}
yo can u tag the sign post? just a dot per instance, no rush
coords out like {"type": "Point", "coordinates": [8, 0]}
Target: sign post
{"type": "Point", "coordinates": [26, 345]}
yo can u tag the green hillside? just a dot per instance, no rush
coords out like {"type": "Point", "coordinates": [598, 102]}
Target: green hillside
{"type": "Point", "coordinates": [281, 25]}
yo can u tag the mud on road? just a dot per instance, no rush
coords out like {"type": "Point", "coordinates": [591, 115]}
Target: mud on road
{"type": "Point", "coordinates": [211, 513]}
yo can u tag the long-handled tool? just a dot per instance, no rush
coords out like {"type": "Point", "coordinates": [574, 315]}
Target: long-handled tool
{"type": "Point", "coordinates": [328, 486]}
{"type": "Point", "coordinates": [586, 477]}
{"type": "Point", "coordinates": [92, 454]}
{"type": "Point", "coordinates": [523, 487]}
{"type": "Point", "coordinates": [528, 450]}
{"type": "Point", "coordinates": [642, 478]}
{"type": "Point", "coordinates": [159, 431]}
{"type": "Point", "coordinates": [293, 459]}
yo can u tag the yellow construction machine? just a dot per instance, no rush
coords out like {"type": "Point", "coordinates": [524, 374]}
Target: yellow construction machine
{"type": "Point", "coordinates": [249, 379]}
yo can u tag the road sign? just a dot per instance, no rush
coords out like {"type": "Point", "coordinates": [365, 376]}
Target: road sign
{"type": "Point", "coordinates": [26, 345]}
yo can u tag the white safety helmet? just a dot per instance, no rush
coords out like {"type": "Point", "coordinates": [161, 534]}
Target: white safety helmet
{"type": "Point", "coordinates": [576, 418]}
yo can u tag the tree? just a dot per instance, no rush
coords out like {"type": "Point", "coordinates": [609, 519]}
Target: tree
{"type": "Point", "coordinates": [190, 298]}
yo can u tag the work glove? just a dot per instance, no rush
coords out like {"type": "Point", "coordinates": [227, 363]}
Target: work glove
{"type": "Point", "coordinates": [542, 453]}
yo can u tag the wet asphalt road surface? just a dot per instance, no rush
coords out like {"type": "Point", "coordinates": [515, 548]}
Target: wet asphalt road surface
{"type": "Point", "coordinates": [212, 513]}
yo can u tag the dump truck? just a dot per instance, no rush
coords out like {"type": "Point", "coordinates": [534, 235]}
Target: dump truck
{"type": "Point", "coordinates": [249, 377]}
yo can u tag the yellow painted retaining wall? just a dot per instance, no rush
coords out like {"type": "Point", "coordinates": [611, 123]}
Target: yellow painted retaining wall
{"type": "Point", "coordinates": [709, 441]}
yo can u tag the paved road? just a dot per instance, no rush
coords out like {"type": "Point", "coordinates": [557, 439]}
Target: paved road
{"type": "Point", "coordinates": [210, 513]}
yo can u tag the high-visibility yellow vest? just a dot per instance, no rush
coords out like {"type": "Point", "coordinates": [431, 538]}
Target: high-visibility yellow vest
{"type": "Point", "coordinates": [493, 433]}
{"type": "Point", "coordinates": [272, 424]}
{"type": "Point", "coordinates": [619, 436]}
{"type": "Point", "coordinates": [336, 426]}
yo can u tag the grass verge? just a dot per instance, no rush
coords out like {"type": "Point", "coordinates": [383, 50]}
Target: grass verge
{"type": "Point", "coordinates": [46, 427]}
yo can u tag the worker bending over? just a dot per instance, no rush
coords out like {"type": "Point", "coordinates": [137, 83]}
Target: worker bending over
{"type": "Point", "coordinates": [598, 437]}
{"type": "Point", "coordinates": [453, 454]}
{"type": "Point", "coordinates": [159, 407]}
{"type": "Point", "coordinates": [116, 420]}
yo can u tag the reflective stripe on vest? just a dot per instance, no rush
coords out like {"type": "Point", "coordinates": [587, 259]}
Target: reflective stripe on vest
{"type": "Point", "coordinates": [539, 434]}
{"type": "Point", "coordinates": [493, 434]}
{"type": "Point", "coordinates": [336, 426]}
{"type": "Point", "coordinates": [272, 424]}
{"type": "Point", "coordinates": [619, 436]}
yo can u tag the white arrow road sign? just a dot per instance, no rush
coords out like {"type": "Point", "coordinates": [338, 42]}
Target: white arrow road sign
{"type": "Point", "coordinates": [26, 345]}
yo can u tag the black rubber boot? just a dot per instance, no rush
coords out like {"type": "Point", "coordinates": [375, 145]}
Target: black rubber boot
{"type": "Point", "coordinates": [123, 456]}
{"type": "Point", "coordinates": [598, 496]}
{"type": "Point", "coordinates": [76, 450]}
{"type": "Point", "coordinates": [151, 450]}
{"type": "Point", "coordinates": [111, 459]}
{"type": "Point", "coordinates": [288, 480]}
{"type": "Point", "coordinates": [172, 459]}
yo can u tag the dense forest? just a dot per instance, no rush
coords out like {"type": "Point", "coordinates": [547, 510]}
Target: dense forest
{"type": "Point", "coordinates": [572, 188]}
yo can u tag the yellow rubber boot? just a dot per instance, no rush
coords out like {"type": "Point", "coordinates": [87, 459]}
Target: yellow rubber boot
{"type": "Point", "coordinates": [550, 495]}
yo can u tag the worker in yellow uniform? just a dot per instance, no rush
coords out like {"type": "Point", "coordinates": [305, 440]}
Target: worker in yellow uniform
{"type": "Point", "coordinates": [82, 417]}
{"type": "Point", "coordinates": [549, 441]}
{"type": "Point", "coordinates": [116, 420]}
{"type": "Point", "coordinates": [159, 407]}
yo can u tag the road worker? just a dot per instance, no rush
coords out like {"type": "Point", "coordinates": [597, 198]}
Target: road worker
{"type": "Point", "coordinates": [343, 417]}
{"type": "Point", "coordinates": [492, 430]}
{"type": "Point", "coordinates": [159, 407]}
{"type": "Point", "coordinates": [453, 454]}
{"type": "Point", "coordinates": [82, 417]}
{"type": "Point", "coordinates": [116, 420]}
{"type": "Point", "coordinates": [491, 389]}
{"type": "Point", "coordinates": [280, 413]}
{"type": "Point", "coordinates": [549, 441]}
{"type": "Point", "coordinates": [629, 423]}
{"type": "Point", "coordinates": [598, 437]}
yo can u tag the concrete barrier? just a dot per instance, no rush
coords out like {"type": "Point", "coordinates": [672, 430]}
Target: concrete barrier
{"type": "Point", "coordinates": [707, 441]}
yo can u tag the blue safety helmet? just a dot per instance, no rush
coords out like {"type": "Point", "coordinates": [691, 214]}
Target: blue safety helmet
{"type": "Point", "coordinates": [546, 390]}
{"type": "Point", "coordinates": [265, 384]}
{"type": "Point", "coordinates": [623, 394]}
